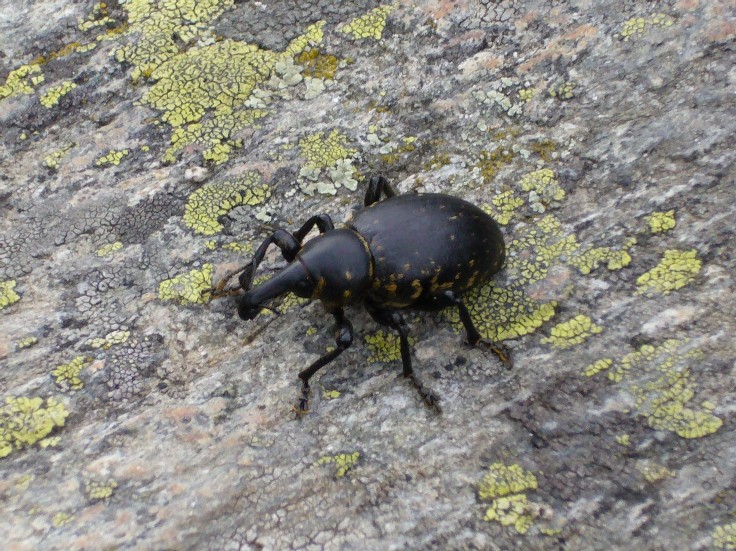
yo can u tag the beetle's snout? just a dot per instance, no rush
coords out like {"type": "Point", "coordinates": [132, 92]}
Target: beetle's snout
{"type": "Point", "coordinates": [248, 312]}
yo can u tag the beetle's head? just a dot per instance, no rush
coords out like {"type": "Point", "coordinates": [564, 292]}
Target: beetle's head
{"type": "Point", "coordinates": [339, 266]}
{"type": "Point", "coordinates": [294, 278]}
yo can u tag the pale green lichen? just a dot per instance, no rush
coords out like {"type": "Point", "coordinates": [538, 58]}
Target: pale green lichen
{"type": "Point", "coordinates": [52, 96]}
{"type": "Point", "coordinates": [21, 81]}
{"type": "Point", "coordinates": [572, 332]}
{"type": "Point", "coordinates": [639, 26]}
{"type": "Point", "coordinates": [623, 439]}
{"type": "Point", "coordinates": [526, 94]}
{"type": "Point", "coordinates": [661, 221]}
{"type": "Point", "coordinates": [206, 205]}
{"type": "Point", "coordinates": [676, 269]}
{"type": "Point", "coordinates": [499, 100]}
{"type": "Point", "coordinates": [724, 536]}
{"type": "Point", "coordinates": [110, 248]}
{"type": "Point", "coordinates": [99, 490]}
{"type": "Point", "coordinates": [8, 295]}
{"type": "Point", "coordinates": [384, 346]}
{"type": "Point", "coordinates": [67, 375]}
{"type": "Point", "coordinates": [189, 288]}
{"type": "Point", "coordinates": [343, 462]}
{"type": "Point", "coordinates": [24, 421]}
{"type": "Point", "coordinates": [660, 380]}
{"type": "Point", "coordinates": [53, 159]}
{"type": "Point", "coordinates": [112, 157]}
{"type": "Point", "coordinates": [370, 25]}
{"type": "Point", "coordinates": [109, 340]}
{"type": "Point", "coordinates": [505, 486]}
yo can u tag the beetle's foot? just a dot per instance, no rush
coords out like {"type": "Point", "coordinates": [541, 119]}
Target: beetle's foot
{"type": "Point", "coordinates": [502, 351]}
{"type": "Point", "coordinates": [302, 406]}
{"type": "Point", "coordinates": [430, 397]}
{"type": "Point", "coordinates": [215, 292]}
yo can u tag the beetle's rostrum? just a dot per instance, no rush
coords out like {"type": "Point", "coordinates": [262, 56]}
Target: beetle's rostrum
{"type": "Point", "coordinates": [413, 251]}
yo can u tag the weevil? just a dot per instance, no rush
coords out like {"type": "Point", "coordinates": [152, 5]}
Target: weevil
{"type": "Point", "coordinates": [399, 252]}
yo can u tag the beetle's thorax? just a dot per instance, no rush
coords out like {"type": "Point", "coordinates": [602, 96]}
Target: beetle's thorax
{"type": "Point", "coordinates": [340, 265]}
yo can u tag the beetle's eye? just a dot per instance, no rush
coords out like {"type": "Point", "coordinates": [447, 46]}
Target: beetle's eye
{"type": "Point", "coordinates": [303, 288]}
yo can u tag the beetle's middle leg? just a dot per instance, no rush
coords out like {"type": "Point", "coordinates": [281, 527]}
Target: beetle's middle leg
{"type": "Point", "coordinates": [343, 339]}
{"type": "Point", "coordinates": [396, 321]}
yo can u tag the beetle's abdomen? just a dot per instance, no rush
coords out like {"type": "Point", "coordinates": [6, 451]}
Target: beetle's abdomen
{"type": "Point", "coordinates": [425, 244]}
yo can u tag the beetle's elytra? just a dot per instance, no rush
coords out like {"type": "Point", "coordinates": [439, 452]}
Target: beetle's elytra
{"type": "Point", "coordinates": [414, 251]}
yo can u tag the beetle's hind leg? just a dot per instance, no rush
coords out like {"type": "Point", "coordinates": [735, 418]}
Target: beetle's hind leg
{"type": "Point", "coordinates": [471, 333]}
{"type": "Point", "coordinates": [377, 186]}
{"type": "Point", "coordinates": [396, 321]}
{"type": "Point", "coordinates": [343, 339]}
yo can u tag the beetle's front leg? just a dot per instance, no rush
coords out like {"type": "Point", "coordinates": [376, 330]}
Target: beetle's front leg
{"type": "Point", "coordinates": [343, 339]}
{"type": "Point", "coordinates": [377, 186]}
{"type": "Point", "coordinates": [396, 321]}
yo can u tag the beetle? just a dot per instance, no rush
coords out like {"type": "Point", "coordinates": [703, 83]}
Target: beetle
{"type": "Point", "coordinates": [405, 252]}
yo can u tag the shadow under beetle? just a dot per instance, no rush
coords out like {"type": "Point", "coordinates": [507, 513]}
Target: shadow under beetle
{"type": "Point", "coordinates": [413, 251]}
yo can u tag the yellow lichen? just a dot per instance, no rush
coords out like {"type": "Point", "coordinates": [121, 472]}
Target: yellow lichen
{"type": "Point", "coordinates": [213, 200]}
{"type": "Point", "coordinates": [189, 288]}
{"type": "Point", "coordinates": [575, 331]}
{"type": "Point", "coordinates": [639, 26]}
{"type": "Point", "coordinates": [25, 342]}
{"type": "Point", "coordinates": [112, 157]}
{"type": "Point", "coordinates": [660, 380]}
{"type": "Point", "coordinates": [384, 346]}
{"type": "Point", "coordinates": [21, 81]}
{"type": "Point", "coordinates": [245, 248]}
{"type": "Point", "coordinates": [676, 269]}
{"type": "Point", "coordinates": [109, 340]}
{"type": "Point", "coordinates": [331, 394]}
{"type": "Point", "coordinates": [504, 485]}
{"type": "Point", "coordinates": [505, 205]}
{"type": "Point", "coordinates": [343, 462]}
{"type": "Point", "coordinates": [67, 375]}
{"type": "Point", "coordinates": [562, 90]}
{"type": "Point", "coordinates": [589, 258]}
{"type": "Point", "coordinates": [60, 519]}
{"type": "Point", "coordinates": [52, 96]}
{"type": "Point", "coordinates": [724, 536]}
{"type": "Point", "coordinates": [491, 162]}
{"type": "Point", "coordinates": [52, 159]}
{"type": "Point", "coordinates": [23, 422]}
{"type": "Point", "coordinates": [97, 490]}
{"type": "Point", "coordinates": [654, 472]}
{"type": "Point", "coordinates": [623, 439]}
{"type": "Point", "coordinates": [526, 94]}
{"type": "Point", "coordinates": [202, 89]}
{"type": "Point", "coordinates": [7, 294]}
{"type": "Point", "coordinates": [322, 151]}
{"type": "Point", "coordinates": [544, 184]}
{"type": "Point", "coordinates": [661, 221]}
{"type": "Point", "coordinates": [370, 25]}
{"type": "Point", "coordinates": [597, 366]}
{"type": "Point", "coordinates": [110, 248]}
{"type": "Point", "coordinates": [316, 64]}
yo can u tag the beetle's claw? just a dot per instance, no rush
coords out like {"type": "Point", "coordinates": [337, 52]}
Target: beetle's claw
{"type": "Point", "coordinates": [302, 406]}
{"type": "Point", "coordinates": [500, 350]}
{"type": "Point", "coordinates": [429, 396]}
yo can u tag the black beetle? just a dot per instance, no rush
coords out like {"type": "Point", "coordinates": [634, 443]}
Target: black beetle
{"type": "Point", "coordinates": [413, 251]}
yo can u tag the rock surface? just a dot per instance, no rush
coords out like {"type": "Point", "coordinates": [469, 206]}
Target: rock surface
{"type": "Point", "coordinates": [149, 146]}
